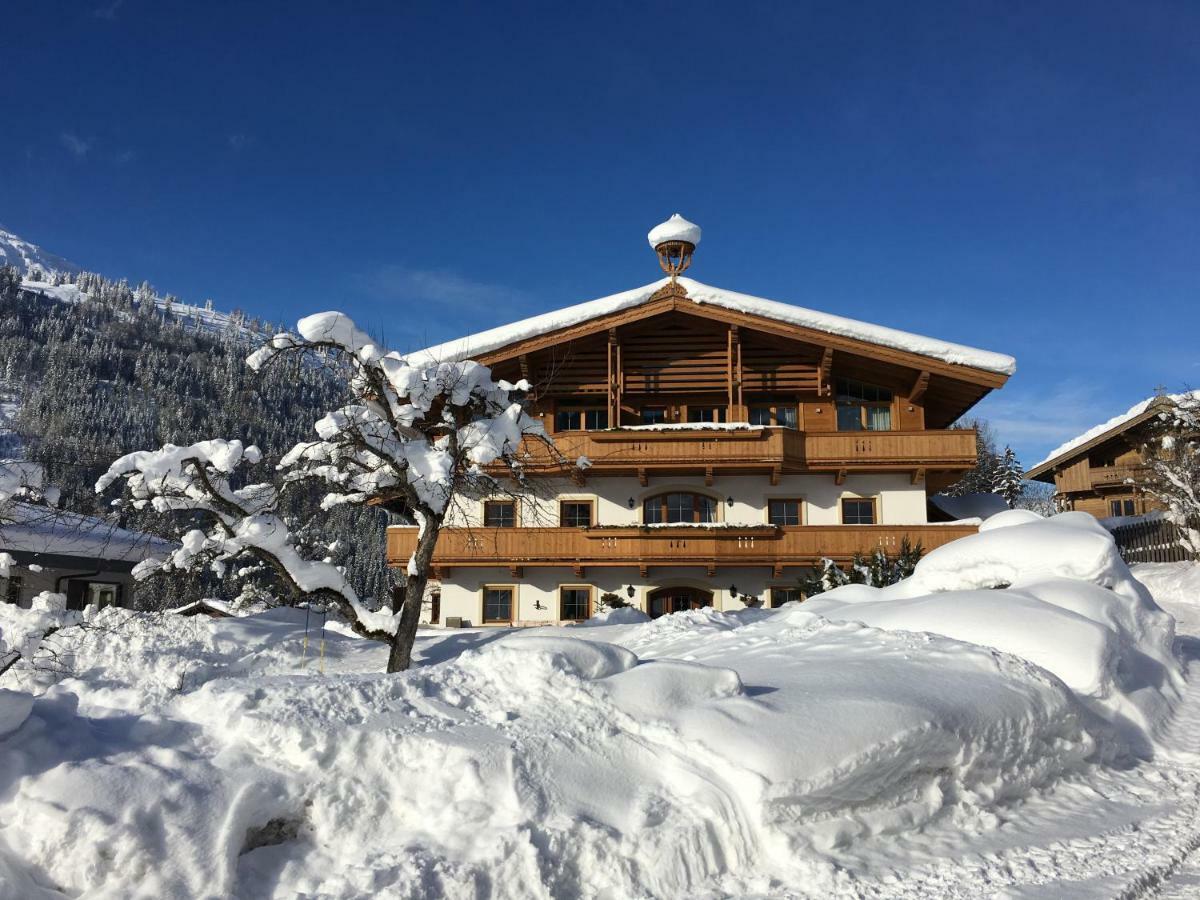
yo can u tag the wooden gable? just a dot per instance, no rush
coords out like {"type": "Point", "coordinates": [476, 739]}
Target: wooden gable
{"type": "Point", "coordinates": [672, 346]}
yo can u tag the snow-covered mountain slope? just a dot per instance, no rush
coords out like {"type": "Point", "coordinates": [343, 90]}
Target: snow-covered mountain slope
{"type": "Point", "coordinates": [21, 254]}
{"type": "Point", "coordinates": [60, 279]}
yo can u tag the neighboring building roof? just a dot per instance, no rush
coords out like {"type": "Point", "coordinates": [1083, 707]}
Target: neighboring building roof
{"type": "Point", "coordinates": [969, 506]}
{"type": "Point", "coordinates": [41, 530]}
{"type": "Point", "coordinates": [496, 338]}
{"type": "Point", "coordinates": [1135, 415]}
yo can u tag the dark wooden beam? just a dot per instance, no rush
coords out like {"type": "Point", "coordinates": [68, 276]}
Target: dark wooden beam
{"type": "Point", "coordinates": [918, 389]}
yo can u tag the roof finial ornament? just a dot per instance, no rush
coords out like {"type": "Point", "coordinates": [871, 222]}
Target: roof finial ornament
{"type": "Point", "coordinates": [674, 241]}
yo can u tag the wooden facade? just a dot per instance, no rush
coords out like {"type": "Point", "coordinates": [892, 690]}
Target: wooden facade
{"type": "Point", "coordinates": [1103, 476]}
{"type": "Point", "coordinates": [795, 430]}
{"type": "Point", "coordinates": [582, 548]}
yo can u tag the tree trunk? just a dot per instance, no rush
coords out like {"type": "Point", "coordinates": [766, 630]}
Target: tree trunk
{"type": "Point", "coordinates": [400, 657]}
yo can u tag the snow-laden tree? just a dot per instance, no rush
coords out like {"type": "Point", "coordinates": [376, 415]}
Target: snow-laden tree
{"type": "Point", "coordinates": [410, 437]}
{"type": "Point", "coordinates": [1008, 479]}
{"type": "Point", "coordinates": [1171, 454]}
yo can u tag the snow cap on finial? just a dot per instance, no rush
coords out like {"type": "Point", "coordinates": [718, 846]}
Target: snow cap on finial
{"type": "Point", "coordinates": [674, 241]}
{"type": "Point", "coordinates": [676, 228]}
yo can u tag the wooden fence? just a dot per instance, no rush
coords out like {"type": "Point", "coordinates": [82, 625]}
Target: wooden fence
{"type": "Point", "coordinates": [1156, 540]}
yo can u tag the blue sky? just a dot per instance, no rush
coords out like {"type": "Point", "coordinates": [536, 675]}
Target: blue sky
{"type": "Point", "coordinates": [1020, 177]}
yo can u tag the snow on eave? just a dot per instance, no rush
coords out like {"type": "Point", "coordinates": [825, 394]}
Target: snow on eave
{"type": "Point", "coordinates": [536, 326]}
{"type": "Point", "coordinates": [1102, 432]}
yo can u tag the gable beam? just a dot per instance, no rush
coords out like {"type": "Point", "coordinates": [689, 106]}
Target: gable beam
{"type": "Point", "coordinates": [838, 342]}
{"type": "Point", "coordinates": [825, 373]}
{"type": "Point", "coordinates": [918, 389]}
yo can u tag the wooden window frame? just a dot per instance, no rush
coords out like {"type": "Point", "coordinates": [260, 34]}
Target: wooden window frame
{"type": "Point", "coordinates": [771, 589]}
{"type": "Point", "coordinates": [716, 501]}
{"type": "Point", "coordinates": [583, 411]}
{"type": "Point", "coordinates": [874, 501]}
{"type": "Point", "coordinates": [799, 501]}
{"type": "Point", "coordinates": [666, 411]}
{"type": "Point", "coordinates": [863, 405]}
{"type": "Point", "coordinates": [1122, 501]}
{"type": "Point", "coordinates": [512, 503]}
{"type": "Point", "coordinates": [512, 604]}
{"type": "Point", "coordinates": [721, 412]}
{"type": "Point", "coordinates": [591, 601]}
{"type": "Point", "coordinates": [773, 407]}
{"type": "Point", "coordinates": [562, 523]}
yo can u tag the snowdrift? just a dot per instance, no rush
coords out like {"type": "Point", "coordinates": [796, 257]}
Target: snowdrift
{"type": "Point", "coordinates": [734, 753]}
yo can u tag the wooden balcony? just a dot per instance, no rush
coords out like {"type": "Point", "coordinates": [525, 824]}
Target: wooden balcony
{"type": "Point", "coordinates": [761, 450]}
{"type": "Point", "coordinates": [1116, 476]}
{"type": "Point", "coordinates": [644, 547]}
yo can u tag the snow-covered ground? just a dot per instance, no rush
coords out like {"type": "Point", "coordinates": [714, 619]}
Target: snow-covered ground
{"type": "Point", "coordinates": [1011, 721]}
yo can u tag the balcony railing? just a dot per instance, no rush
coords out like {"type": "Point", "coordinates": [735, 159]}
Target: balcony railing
{"type": "Point", "coordinates": [757, 450]}
{"type": "Point", "coordinates": [1108, 476]}
{"type": "Point", "coordinates": [666, 546]}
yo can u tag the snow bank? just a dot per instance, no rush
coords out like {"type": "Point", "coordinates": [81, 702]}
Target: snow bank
{"type": "Point", "coordinates": [495, 338]}
{"type": "Point", "coordinates": [1052, 591]}
{"type": "Point", "coordinates": [701, 753]}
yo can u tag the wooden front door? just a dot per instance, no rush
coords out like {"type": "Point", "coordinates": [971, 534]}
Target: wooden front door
{"type": "Point", "coordinates": [677, 599]}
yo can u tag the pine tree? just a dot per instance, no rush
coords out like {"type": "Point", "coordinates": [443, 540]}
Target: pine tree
{"type": "Point", "coordinates": [1008, 480]}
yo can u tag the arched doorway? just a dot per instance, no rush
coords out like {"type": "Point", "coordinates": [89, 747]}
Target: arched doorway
{"type": "Point", "coordinates": [676, 599]}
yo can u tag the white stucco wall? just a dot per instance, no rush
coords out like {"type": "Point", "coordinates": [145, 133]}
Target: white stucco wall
{"type": "Point", "coordinates": [537, 599]}
{"type": "Point", "coordinates": [900, 501]}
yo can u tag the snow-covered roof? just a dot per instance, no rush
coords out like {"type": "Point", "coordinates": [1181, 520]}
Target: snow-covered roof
{"type": "Point", "coordinates": [37, 529]}
{"type": "Point", "coordinates": [969, 506]}
{"type": "Point", "coordinates": [1113, 424]}
{"type": "Point", "coordinates": [535, 326]}
{"type": "Point", "coordinates": [676, 228]}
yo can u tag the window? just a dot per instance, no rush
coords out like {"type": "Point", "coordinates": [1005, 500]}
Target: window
{"type": "Point", "coordinates": [1121, 508]}
{"type": "Point", "coordinates": [574, 603]}
{"type": "Point", "coordinates": [784, 416]}
{"type": "Point", "coordinates": [575, 513]}
{"type": "Point", "coordinates": [102, 594]}
{"type": "Point", "coordinates": [679, 507]}
{"type": "Point", "coordinates": [581, 419]}
{"type": "Point", "coordinates": [863, 407]}
{"type": "Point", "coordinates": [706, 414]}
{"type": "Point", "coordinates": [10, 589]}
{"type": "Point", "coordinates": [783, 512]}
{"type": "Point", "coordinates": [499, 514]}
{"type": "Point", "coordinates": [780, 596]}
{"type": "Point", "coordinates": [497, 604]}
{"type": "Point", "coordinates": [654, 415]}
{"type": "Point", "coordinates": [858, 512]}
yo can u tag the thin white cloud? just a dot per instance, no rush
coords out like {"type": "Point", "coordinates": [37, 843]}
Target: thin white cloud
{"type": "Point", "coordinates": [108, 10]}
{"type": "Point", "coordinates": [77, 146]}
{"type": "Point", "coordinates": [445, 288]}
{"type": "Point", "coordinates": [125, 157]}
{"type": "Point", "coordinates": [239, 142]}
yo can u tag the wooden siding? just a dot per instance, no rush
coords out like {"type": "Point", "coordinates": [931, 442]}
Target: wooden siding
{"type": "Point", "coordinates": [640, 546]}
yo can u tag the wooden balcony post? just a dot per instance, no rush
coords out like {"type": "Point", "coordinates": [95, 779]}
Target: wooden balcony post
{"type": "Point", "coordinates": [614, 379]}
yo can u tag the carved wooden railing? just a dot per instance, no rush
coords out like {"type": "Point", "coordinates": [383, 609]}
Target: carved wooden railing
{"type": "Point", "coordinates": [766, 449]}
{"type": "Point", "coordinates": [631, 546]}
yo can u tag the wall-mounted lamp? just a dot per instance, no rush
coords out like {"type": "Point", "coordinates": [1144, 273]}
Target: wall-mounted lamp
{"type": "Point", "coordinates": [632, 503]}
{"type": "Point", "coordinates": [733, 590]}
{"type": "Point", "coordinates": [729, 501]}
{"type": "Point", "coordinates": [631, 590]}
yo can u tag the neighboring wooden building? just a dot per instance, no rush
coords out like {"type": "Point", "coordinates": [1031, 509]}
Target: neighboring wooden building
{"type": "Point", "coordinates": [731, 442]}
{"type": "Point", "coordinates": [1099, 471]}
{"type": "Point", "coordinates": [87, 559]}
